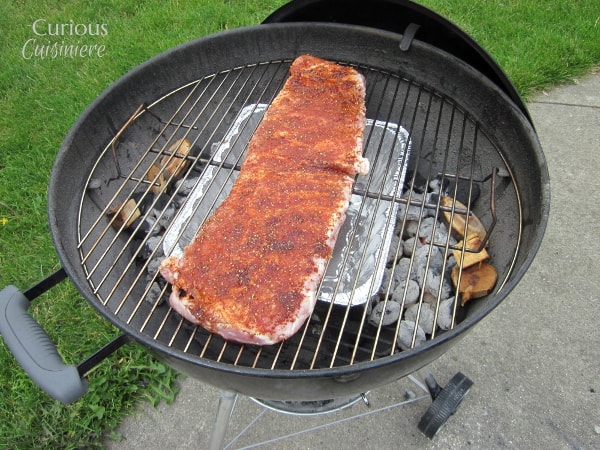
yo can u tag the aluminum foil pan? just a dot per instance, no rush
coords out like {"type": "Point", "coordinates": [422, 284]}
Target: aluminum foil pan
{"type": "Point", "coordinates": [356, 269]}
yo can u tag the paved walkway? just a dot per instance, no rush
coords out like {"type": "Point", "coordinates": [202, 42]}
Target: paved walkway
{"type": "Point", "coordinates": [535, 360]}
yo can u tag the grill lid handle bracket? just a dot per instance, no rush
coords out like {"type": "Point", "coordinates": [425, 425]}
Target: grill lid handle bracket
{"type": "Point", "coordinates": [408, 36]}
{"type": "Point", "coordinates": [34, 350]}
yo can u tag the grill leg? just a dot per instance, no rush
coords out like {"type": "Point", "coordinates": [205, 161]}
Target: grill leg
{"type": "Point", "coordinates": [224, 411]}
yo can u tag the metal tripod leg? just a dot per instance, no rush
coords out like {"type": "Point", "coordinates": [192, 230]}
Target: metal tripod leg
{"type": "Point", "coordinates": [225, 410]}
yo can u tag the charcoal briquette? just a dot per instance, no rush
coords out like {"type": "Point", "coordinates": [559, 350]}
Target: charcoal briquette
{"type": "Point", "coordinates": [444, 318]}
{"type": "Point", "coordinates": [426, 316]}
{"type": "Point", "coordinates": [154, 294]}
{"type": "Point", "coordinates": [405, 335]}
{"type": "Point", "coordinates": [386, 313]}
{"type": "Point", "coordinates": [153, 265]}
{"type": "Point", "coordinates": [412, 291]}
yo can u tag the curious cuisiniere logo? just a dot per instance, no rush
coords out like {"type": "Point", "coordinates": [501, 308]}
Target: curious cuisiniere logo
{"type": "Point", "coordinates": [52, 40]}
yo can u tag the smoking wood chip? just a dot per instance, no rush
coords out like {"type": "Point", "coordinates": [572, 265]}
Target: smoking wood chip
{"type": "Point", "coordinates": [475, 281]}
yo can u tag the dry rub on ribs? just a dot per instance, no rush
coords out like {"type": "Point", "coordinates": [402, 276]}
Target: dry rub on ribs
{"type": "Point", "coordinates": [252, 272]}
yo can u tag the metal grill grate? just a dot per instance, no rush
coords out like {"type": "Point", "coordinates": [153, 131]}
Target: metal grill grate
{"type": "Point", "coordinates": [141, 191]}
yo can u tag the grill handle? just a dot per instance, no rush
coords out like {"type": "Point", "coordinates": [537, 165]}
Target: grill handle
{"type": "Point", "coordinates": [32, 347]}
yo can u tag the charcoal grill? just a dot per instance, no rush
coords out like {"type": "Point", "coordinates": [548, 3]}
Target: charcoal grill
{"type": "Point", "coordinates": [460, 128]}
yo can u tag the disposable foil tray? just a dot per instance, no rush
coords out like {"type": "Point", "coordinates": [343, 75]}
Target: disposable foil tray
{"type": "Point", "coordinates": [356, 268]}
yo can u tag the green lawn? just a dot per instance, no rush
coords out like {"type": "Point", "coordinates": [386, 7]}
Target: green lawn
{"type": "Point", "coordinates": [538, 43]}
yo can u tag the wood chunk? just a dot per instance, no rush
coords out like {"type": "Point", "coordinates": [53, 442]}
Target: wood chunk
{"type": "Point", "coordinates": [175, 165]}
{"type": "Point", "coordinates": [470, 258]}
{"type": "Point", "coordinates": [458, 223]}
{"type": "Point", "coordinates": [169, 167]}
{"type": "Point", "coordinates": [157, 179]}
{"type": "Point", "coordinates": [475, 281]}
{"type": "Point", "coordinates": [124, 214]}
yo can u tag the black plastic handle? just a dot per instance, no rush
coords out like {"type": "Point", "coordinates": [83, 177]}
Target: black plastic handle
{"type": "Point", "coordinates": [34, 350]}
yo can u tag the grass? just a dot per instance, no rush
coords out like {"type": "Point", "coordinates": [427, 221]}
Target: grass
{"type": "Point", "coordinates": [537, 43]}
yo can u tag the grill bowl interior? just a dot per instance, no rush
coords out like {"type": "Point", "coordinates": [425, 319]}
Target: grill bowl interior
{"type": "Point", "coordinates": [428, 90]}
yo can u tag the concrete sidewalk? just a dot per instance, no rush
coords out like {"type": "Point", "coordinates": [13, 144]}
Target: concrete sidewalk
{"type": "Point", "coordinates": [535, 360]}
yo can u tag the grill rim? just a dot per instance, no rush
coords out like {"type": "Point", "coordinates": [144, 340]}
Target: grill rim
{"type": "Point", "coordinates": [56, 208]}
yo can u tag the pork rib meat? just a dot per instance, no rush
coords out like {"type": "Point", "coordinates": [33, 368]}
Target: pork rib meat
{"type": "Point", "coordinates": [252, 272]}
